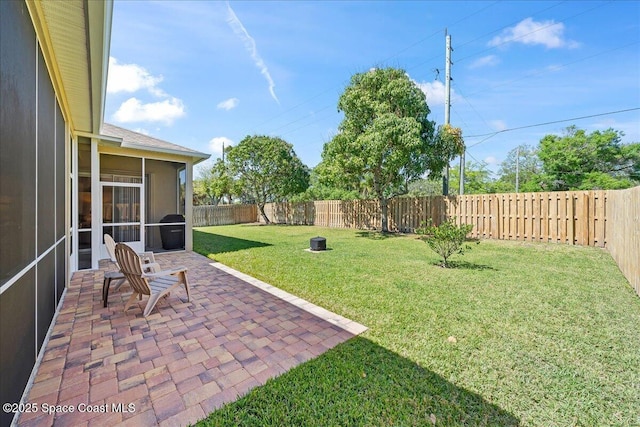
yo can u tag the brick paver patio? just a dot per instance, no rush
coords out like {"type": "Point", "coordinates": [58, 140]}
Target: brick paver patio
{"type": "Point", "coordinates": [184, 360]}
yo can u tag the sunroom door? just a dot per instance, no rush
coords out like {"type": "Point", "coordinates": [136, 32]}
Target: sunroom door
{"type": "Point", "coordinates": [121, 213]}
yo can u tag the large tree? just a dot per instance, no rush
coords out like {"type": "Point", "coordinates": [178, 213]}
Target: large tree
{"type": "Point", "coordinates": [579, 160]}
{"type": "Point", "coordinates": [268, 169]}
{"type": "Point", "coordinates": [385, 140]}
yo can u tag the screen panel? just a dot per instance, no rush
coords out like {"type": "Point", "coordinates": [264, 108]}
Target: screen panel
{"type": "Point", "coordinates": [17, 331]}
{"type": "Point", "coordinates": [17, 133]}
{"type": "Point", "coordinates": [46, 297]}
{"type": "Point", "coordinates": [46, 159]}
{"type": "Point", "coordinates": [61, 268]}
{"type": "Point", "coordinates": [60, 173]}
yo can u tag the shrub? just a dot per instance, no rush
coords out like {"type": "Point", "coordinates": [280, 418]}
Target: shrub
{"type": "Point", "coordinates": [446, 239]}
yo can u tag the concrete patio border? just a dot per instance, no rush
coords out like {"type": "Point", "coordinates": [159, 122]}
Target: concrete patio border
{"type": "Point", "coordinates": [348, 325]}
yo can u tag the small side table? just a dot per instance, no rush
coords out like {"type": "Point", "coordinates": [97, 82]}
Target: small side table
{"type": "Point", "coordinates": [108, 277]}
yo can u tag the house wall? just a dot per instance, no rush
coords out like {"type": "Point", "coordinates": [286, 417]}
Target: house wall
{"type": "Point", "coordinates": [33, 259]}
{"type": "Point", "coordinates": [162, 197]}
{"type": "Point", "coordinates": [120, 165]}
{"type": "Point", "coordinates": [162, 187]}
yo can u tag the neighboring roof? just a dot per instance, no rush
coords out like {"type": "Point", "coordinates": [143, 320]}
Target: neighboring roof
{"type": "Point", "coordinates": [75, 37]}
{"type": "Point", "coordinates": [139, 141]}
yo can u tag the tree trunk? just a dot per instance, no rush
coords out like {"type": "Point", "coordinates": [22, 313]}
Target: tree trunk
{"type": "Point", "coordinates": [384, 209]}
{"type": "Point", "coordinates": [264, 215]}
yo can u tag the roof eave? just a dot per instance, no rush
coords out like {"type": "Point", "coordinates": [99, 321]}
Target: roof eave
{"type": "Point", "coordinates": [99, 15]}
{"type": "Point", "coordinates": [195, 157]}
{"type": "Point", "coordinates": [80, 84]}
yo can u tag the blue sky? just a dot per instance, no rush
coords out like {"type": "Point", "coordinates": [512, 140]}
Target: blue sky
{"type": "Point", "coordinates": [203, 73]}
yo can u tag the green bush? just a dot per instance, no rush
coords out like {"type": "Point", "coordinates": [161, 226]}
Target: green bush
{"type": "Point", "coordinates": [446, 239]}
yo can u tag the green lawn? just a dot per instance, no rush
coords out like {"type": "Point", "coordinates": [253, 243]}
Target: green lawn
{"type": "Point", "coordinates": [545, 334]}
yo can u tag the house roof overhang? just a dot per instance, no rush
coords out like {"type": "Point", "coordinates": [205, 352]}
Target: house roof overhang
{"type": "Point", "coordinates": [128, 140]}
{"type": "Point", "coordinates": [74, 36]}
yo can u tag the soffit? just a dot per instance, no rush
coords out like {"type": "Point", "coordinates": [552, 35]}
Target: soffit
{"type": "Point", "coordinates": [63, 28]}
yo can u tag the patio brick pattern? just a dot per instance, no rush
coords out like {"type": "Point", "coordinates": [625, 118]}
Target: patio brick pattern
{"type": "Point", "coordinates": [183, 361]}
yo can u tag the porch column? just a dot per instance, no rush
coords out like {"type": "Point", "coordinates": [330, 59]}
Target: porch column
{"type": "Point", "coordinates": [188, 207]}
{"type": "Point", "coordinates": [96, 208]}
{"type": "Point", "coordinates": [73, 215]}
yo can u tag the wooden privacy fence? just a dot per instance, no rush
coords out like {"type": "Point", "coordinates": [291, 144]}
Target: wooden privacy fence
{"type": "Point", "coordinates": [576, 218]}
{"type": "Point", "coordinates": [223, 215]}
{"type": "Point", "coordinates": [623, 232]}
{"type": "Point", "coordinates": [572, 217]}
{"type": "Point", "coordinates": [404, 214]}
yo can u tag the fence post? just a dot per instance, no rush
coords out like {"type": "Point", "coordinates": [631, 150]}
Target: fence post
{"type": "Point", "coordinates": [497, 216]}
{"type": "Point", "coordinates": [586, 220]}
{"type": "Point", "coordinates": [571, 214]}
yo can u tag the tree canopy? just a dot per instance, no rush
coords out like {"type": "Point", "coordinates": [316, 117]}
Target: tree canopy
{"type": "Point", "coordinates": [385, 140]}
{"type": "Point", "coordinates": [218, 184]}
{"type": "Point", "coordinates": [267, 169]}
{"type": "Point", "coordinates": [525, 159]}
{"type": "Point", "coordinates": [579, 160]}
{"type": "Point", "coordinates": [575, 160]}
{"type": "Point", "coordinates": [477, 178]}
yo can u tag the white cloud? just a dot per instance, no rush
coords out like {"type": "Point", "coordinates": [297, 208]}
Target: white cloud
{"type": "Point", "coordinates": [131, 78]}
{"type": "Point", "coordinates": [547, 33]}
{"type": "Point", "coordinates": [216, 144]}
{"type": "Point", "coordinates": [485, 61]}
{"type": "Point", "coordinates": [498, 125]}
{"type": "Point", "coordinates": [435, 92]}
{"type": "Point", "coordinates": [132, 110]}
{"type": "Point", "coordinates": [250, 45]}
{"type": "Point", "coordinates": [491, 160]}
{"type": "Point", "coordinates": [228, 104]}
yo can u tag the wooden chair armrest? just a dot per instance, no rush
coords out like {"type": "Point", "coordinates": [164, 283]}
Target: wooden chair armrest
{"type": "Point", "coordinates": [165, 272]}
{"type": "Point", "coordinates": [147, 257]}
{"type": "Point", "coordinates": [152, 267]}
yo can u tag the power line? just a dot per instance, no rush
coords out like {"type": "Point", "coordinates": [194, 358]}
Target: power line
{"type": "Point", "coordinates": [470, 105]}
{"type": "Point", "coordinates": [440, 31]}
{"type": "Point", "coordinates": [294, 107]}
{"type": "Point", "coordinates": [491, 135]}
{"type": "Point", "coordinates": [319, 119]}
{"type": "Point", "coordinates": [311, 114]}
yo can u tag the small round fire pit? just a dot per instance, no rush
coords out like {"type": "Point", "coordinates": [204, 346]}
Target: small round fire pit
{"type": "Point", "coordinates": [318, 244]}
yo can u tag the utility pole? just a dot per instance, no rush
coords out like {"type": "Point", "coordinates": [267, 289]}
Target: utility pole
{"type": "Point", "coordinates": [447, 106]}
{"type": "Point", "coordinates": [517, 168]}
{"type": "Point", "coordinates": [462, 165]}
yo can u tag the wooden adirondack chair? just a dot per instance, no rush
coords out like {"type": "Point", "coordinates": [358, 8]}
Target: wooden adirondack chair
{"type": "Point", "coordinates": [149, 263]}
{"type": "Point", "coordinates": [156, 285]}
